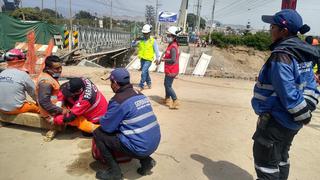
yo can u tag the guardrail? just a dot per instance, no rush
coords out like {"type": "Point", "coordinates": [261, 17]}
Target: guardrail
{"type": "Point", "coordinates": [94, 40]}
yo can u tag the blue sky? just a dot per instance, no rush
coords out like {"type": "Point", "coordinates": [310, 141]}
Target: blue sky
{"type": "Point", "coordinates": [227, 11]}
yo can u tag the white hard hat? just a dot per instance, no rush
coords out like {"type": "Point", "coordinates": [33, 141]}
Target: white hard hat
{"type": "Point", "coordinates": [146, 28]}
{"type": "Point", "coordinates": [174, 30]}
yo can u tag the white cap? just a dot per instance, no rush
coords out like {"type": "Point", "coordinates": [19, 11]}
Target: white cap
{"type": "Point", "coordinates": [174, 30]}
{"type": "Point", "coordinates": [146, 28]}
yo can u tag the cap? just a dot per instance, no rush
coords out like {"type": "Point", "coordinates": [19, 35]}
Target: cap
{"type": "Point", "coordinates": [287, 18]}
{"type": "Point", "coordinates": [120, 75]}
{"type": "Point", "coordinates": [75, 84]}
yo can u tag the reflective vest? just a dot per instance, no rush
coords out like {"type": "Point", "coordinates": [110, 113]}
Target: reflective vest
{"type": "Point", "coordinates": [171, 69]}
{"type": "Point", "coordinates": [55, 90]}
{"type": "Point", "coordinates": [146, 50]}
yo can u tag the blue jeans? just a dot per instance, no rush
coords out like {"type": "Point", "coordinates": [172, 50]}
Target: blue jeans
{"type": "Point", "coordinates": [145, 77]}
{"type": "Point", "coordinates": [168, 87]}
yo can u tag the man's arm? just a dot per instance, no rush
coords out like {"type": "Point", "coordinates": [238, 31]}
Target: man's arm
{"type": "Point", "coordinates": [44, 99]}
{"type": "Point", "coordinates": [111, 120]}
{"type": "Point", "coordinates": [156, 50]}
{"type": "Point", "coordinates": [283, 81]}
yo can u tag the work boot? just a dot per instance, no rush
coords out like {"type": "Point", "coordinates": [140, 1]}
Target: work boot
{"type": "Point", "coordinates": [114, 172]}
{"type": "Point", "coordinates": [140, 89]}
{"type": "Point", "coordinates": [109, 175]}
{"type": "Point", "coordinates": [146, 165]}
{"type": "Point", "coordinates": [174, 105]}
{"type": "Point", "coordinates": [166, 101]}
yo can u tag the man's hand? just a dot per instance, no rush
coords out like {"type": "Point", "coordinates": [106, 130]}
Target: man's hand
{"type": "Point", "coordinates": [157, 61]}
{"type": "Point", "coordinates": [65, 111]}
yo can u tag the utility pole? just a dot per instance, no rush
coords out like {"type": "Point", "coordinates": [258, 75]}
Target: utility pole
{"type": "Point", "coordinates": [41, 5]}
{"type": "Point", "coordinates": [70, 32]}
{"type": "Point", "coordinates": [212, 20]}
{"type": "Point", "coordinates": [198, 15]}
{"type": "Point", "coordinates": [111, 15]}
{"type": "Point", "coordinates": [157, 8]}
{"type": "Point", "coordinates": [55, 9]}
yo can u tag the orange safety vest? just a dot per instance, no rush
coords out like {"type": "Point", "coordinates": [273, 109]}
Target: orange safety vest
{"type": "Point", "coordinates": [55, 90]}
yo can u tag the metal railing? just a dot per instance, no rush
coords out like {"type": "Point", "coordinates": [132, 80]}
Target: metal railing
{"type": "Point", "coordinates": [94, 40]}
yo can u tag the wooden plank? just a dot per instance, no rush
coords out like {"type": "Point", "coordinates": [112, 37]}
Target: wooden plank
{"type": "Point", "coordinates": [30, 120]}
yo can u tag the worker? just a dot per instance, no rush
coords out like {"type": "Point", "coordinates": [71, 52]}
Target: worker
{"type": "Point", "coordinates": [147, 50]}
{"type": "Point", "coordinates": [129, 126]}
{"type": "Point", "coordinates": [48, 89]}
{"type": "Point", "coordinates": [14, 83]}
{"type": "Point", "coordinates": [316, 64]}
{"type": "Point", "coordinates": [171, 66]}
{"type": "Point", "coordinates": [285, 94]}
{"type": "Point", "coordinates": [85, 102]}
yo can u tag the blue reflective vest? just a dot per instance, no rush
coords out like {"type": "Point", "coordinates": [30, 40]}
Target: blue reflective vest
{"type": "Point", "coordinates": [130, 115]}
{"type": "Point", "coordinates": [286, 87]}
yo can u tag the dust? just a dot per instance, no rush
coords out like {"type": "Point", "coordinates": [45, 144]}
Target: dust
{"type": "Point", "coordinates": [81, 165]}
{"type": "Point", "coordinates": [85, 144]}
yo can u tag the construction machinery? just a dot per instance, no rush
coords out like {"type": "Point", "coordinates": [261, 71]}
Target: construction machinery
{"type": "Point", "coordinates": [183, 38]}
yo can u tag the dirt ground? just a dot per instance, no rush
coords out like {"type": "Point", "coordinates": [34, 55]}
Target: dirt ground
{"type": "Point", "coordinates": [208, 138]}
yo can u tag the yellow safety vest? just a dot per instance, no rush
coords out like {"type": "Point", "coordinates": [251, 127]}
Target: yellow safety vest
{"type": "Point", "coordinates": [146, 50]}
{"type": "Point", "coordinates": [315, 68]}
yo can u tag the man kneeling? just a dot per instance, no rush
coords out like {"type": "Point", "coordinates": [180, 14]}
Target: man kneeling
{"type": "Point", "coordinates": [85, 102]}
{"type": "Point", "coordinates": [129, 126]}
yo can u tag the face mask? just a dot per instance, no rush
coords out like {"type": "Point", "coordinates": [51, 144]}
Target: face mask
{"type": "Point", "coordinates": [56, 75]}
{"type": "Point", "coordinates": [169, 39]}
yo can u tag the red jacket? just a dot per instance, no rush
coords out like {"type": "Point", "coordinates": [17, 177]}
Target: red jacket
{"type": "Point", "coordinates": [172, 69]}
{"type": "Point", "coordinates": [91, 104]}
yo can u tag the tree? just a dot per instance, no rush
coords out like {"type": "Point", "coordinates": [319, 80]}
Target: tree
{"type": "Point", "coordinates": [84, 15]}
{"type": "Point", "coordinates": [51, 13]}
{"type": "Point", "coordinates": [150, 15]}
{"type": "Point", "coordinates": [35, 14]}
{"type": "Point", "coordinates": [192, 20]}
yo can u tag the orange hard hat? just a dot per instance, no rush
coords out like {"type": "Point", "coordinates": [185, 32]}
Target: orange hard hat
{"type": "Point", "coordinates": [315, 42]}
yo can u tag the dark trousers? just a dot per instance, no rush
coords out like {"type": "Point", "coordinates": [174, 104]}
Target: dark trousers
{"type": "Point", "coordinates": [107, 143]}
{"type": "Point", "coordinates": [168, 87]}
{"type": "Point", "coordinates": [271, 151]}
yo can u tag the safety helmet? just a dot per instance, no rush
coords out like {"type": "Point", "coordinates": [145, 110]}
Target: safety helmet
{"type": "Point", "coordinates": [174, 30]}
{"type": "Point", "coordinates": [146, 28]}
{"type": "Point", "coordinates": [315, 42]}
{"type": "Point", "coordinates": [14, 54]}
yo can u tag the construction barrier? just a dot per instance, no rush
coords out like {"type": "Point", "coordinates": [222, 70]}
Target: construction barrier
{"type": "Point", "coordinates": [66, 39]}
{"type": "Point", "coordinates": [75, 39]}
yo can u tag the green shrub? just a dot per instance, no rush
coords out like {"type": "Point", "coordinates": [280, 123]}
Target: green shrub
{"type": "Point", "coordinates": [260, 40]}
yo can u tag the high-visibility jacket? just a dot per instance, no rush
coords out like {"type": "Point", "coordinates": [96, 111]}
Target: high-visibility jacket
{"type": "Point", "coordinates": [172, 69]}
{"type": "Point", "coordinates": [91, 104]}
{"type": "Point", "coordinates": [145, 49]}
{"type": "Point", "coordinates": [286, 87]}
{"type": "Point", "coordinates": [131, 117]}
{"type": "Point", "coordinates": [47, 78]}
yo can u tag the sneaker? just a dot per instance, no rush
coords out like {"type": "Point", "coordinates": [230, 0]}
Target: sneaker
{"type": "Point", "coordinates": [149, 86]}
{"type": "Point", "coordinates": [146, 166]}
